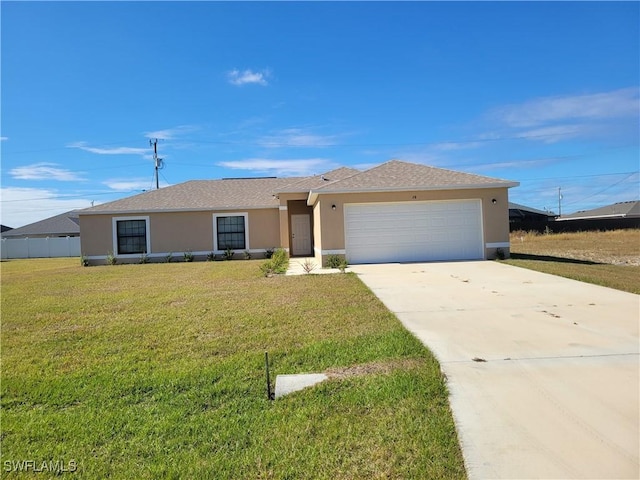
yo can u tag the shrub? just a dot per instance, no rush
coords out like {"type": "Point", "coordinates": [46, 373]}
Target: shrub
{"type": "Point", "coordinates": [84, 261]}
{"type": "Point", "coordinates": [280, 259]}
{"type": "Point", "coordinates": [228, 254]}
{"type": "Point", "coordinates": [168, 257]}
{"type": "Point", "coordinates": [334, 261]}
{"type": "Point", "coordinates": [111, 259]}
{"type": "Point", "coordinates": [211, 257]}
{"type": "Point", "coordinates": [308, 265]}
{"type": "Point", "coordinates": [268, 253]}
{"type": "Point", "coordinates": [500, 254]}
{"type": "Point", "coordinates": [267, 268]}
{"type": "Point", "coordinates": [188, 256]}
{"type": "Point", "coordinates": [247, 255]}
{"type": "Point", "coordinates": [144, 258]}
{"type": "Point", "coordinates": [343, 266]}
{"type": "Point", "coordinates": [278, 263]}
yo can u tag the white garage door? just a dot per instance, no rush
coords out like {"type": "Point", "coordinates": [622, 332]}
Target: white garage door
{"type": "Point", "coordinates": [413, 232]}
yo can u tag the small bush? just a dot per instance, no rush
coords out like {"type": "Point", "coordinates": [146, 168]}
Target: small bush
{"type": "Point", "coordinates": [267, 268]}
{"type": "Point", "coordinates": [111, 259]}
{"type": "Point", "coordinates": [188, 256]}
{"type": "Point", "coordinates": [211, 257]}
{"type": "Point", "coordinates": [84, 261]}
{"type": "Point", "coordinates": [168, 257]}
{"type": "Point", "coordinates": [278, 263]}
{"type": "Point", "coordinates": [500, 254]}
{"type": "Point", "coordinates": [228, 254]}
{"type": "Point", "coordinates": [334, 261]}
{"type": "Point", "coordinates": [281, 259]}
{"type": "Point", "coordinates": [343, 266]}
{"type": "Point", "coordinates": [308, 265]}
{"type": "Point", "coordinates": [144, 258]}
{"type": "Point", "coordinates": [268, 253]}
{"type": "Point", "coordinates": [247, 255]}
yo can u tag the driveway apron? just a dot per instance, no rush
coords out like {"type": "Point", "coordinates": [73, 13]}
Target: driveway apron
{"type": "Point", "coordinates": [543, 372]}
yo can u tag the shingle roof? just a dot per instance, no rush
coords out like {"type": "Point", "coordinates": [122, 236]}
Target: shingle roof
{"type": "Point", "coordinates": [64, 224]}
{"type": "Point", "coordinates": [621, 209]}
{"type": "Point", "coordinates": [523, 208]}
{"type": "Point", "coordinates": [201, 195]}
{"type": "Point", "coordinates": [310, 183]}
{"type": "Point", "coordinates": [398, 175]}
{"type": "Point", "coordinates": [226, 194]}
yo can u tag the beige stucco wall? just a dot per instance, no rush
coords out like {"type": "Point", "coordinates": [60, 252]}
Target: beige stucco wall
{"type": "Point", "coordinates": [495, 216]}
{"type": "Point", "coordinates": [179, 231]}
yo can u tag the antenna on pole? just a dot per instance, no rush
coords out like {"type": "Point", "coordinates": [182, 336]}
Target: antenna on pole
{"type": "Point", "coordinates": [157, 161]}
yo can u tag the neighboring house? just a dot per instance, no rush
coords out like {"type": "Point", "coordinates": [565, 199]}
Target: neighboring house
{"type": "Point", "coordinates": [4, 228]}
{"type": "Point", "coordinates": [64, 225]}
{"type": "Point", "coordinates": [52, 237]}
{"type": "Point", "coordinates": [609, 217]}
{"type": "Point", "coordinates": [395, 212]}
{"type": "Point", "coordinates": [527, 218]}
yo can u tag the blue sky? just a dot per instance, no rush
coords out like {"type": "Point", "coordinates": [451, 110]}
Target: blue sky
{"type": "Point", "coordinates": [546, 94]}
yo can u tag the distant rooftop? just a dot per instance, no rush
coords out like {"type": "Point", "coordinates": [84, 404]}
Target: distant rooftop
{"type": "Point", "coordinates": [616, 210]}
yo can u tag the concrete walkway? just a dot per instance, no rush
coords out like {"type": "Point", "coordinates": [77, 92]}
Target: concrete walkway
{"type": "Point", "coordinates": [297, 267]}
{"type": "Point", "coordinates": [553, 391]}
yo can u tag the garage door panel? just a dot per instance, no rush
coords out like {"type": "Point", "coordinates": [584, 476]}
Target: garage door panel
{"type": "Point", "coordinates": [404, 232]}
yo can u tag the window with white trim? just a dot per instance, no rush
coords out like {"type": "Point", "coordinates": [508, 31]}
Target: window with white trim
{"type": "Point", "coordinates": [231, 230]}
{"type": "Point", "coordinates": [131, 235]}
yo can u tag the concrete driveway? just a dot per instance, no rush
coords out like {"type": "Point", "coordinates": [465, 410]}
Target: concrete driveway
{"type": "Point", "coordinates": [553, 391]}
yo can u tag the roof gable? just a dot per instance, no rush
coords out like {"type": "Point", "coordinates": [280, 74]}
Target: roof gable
{"type": "Point", "coordinates": [309, 183]}
{"type": "Point", "coordinates": [399, 175]}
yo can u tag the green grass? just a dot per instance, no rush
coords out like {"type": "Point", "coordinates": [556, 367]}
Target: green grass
{"type": "Point", "coordinates": [608, 258]}
{"type": "Point", "coordinates": [620, 277]}
{"type": "Point", "coordinates": [157, 371]}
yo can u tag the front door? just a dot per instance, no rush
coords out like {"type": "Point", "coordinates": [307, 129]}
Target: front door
{"type": "Point", "coordinates": [301, 235]}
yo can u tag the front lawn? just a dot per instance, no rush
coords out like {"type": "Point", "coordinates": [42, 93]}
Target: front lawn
{"type": "Point", "coordinates": [157, 371]}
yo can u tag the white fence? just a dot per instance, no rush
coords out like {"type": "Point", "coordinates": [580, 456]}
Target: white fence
{"type": "Point", "coordinates": [40, 247]}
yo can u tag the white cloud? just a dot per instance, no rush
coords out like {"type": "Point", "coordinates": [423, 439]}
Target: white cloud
{"type": "Point", "coordinates": [307, 166]}
{"type": "Point", "coordinates": [171, 133]}
{"type": "Point", "coordinates": [451, 146]}
{"type": "Point", "coordinates": [22, 206]}
{"type": "Point", "coordinates": [45, 171]}
{"type": "Point", "coordinates": [538, 162]}
{"type": "Point", "coordinates": [555, 133]}
{"type": "Point", "coordinates": [297, 137]}
{"type": "Point", "coordinates": [130, 184]}
{"type": "Point", "coordinates": [110, 150]}
{"type": "Point", "coordinates": [236, 77]}
{"type": "Point", "coordinates": [597, 106]}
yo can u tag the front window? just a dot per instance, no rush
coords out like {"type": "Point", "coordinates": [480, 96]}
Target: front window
{"type": "Point", "coordinates": [231, 232]}
{"type": "Point", "coordinates": [132, 236]}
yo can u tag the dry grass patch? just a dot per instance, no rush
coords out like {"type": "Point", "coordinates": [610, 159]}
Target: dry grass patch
{"type": "Point", "coordinates": [615, 247]}
{"type": "Point", "coordinates": [610, 258]}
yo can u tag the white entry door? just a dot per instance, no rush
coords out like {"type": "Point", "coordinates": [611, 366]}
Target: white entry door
{"type": "Point", "coordinates": [301, 234]}
{"type": "Point", "coordinates": [414, 232]}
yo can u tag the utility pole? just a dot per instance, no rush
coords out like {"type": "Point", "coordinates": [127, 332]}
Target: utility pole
{"type": "Point", "coordinates": [156, 160]}
{"type": "Point", "coordinates": [559, 201]}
